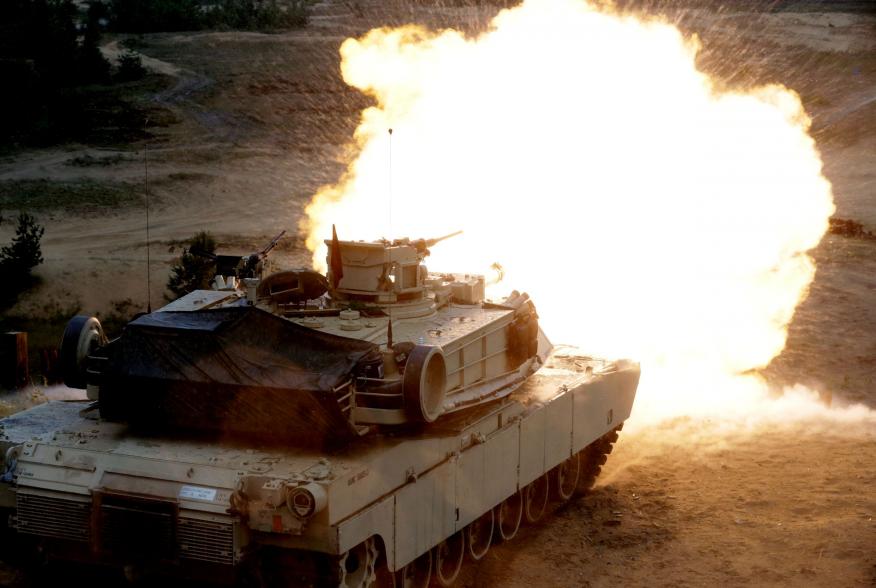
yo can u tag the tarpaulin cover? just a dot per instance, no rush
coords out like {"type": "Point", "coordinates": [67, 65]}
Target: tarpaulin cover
{"type": "Point", "coordinates": [242, 345]}
{"type": "Point", "coordinates": [236, 369]}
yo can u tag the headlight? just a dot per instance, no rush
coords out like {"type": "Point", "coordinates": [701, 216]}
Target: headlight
{"type": "Point", "coordinates": [305, 501]}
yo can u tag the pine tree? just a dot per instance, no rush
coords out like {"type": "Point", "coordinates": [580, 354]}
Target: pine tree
{"type": "Point", "coordinates": [93, 66]}
{"type": "Point", "coordinates": [195, 267]}
{"type": "Point", "coordinates": [24, 252]}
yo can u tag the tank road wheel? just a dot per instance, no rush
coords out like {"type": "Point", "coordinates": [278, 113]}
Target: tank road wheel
{"type": "Point", "coordinates": [535, 499]}
{"type": "Point", "coordinates": [566, 476]}
{"type": "Point", "coordinates": [508, 516]}
{"type": "Point", "coordinates": [448, 558]}
{"type": "Point", "coordinates": [479, 534]}
{"type": "Point", "coordinates": [417, 574]}
{"type": "Point", "coordinates": [356, 568]}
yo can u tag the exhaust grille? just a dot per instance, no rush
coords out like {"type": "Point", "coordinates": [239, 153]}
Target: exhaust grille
{"type": "Point", "coordinates": [206, 540]}
{"type": "Point", "coordinates": [141, 527]}
{"type": "Point", "coordinates": [127, 526]}
{"type": "Point", "coordinates": [48, 516]}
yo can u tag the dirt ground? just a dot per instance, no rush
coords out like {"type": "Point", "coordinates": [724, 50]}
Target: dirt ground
{"type": "Point", "coordinates": [687, 505]}
{"type": "Point", "coordinates": [262, 120]}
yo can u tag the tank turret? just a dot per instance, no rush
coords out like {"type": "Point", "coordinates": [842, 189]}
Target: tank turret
{"type": "Point", "coordinates": [377, 342]}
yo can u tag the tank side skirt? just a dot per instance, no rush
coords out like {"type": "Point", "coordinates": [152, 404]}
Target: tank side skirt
{"type": "Point", "coordinates": [490, 470]}
{"type": "Point", "coordinates": [607, 403]}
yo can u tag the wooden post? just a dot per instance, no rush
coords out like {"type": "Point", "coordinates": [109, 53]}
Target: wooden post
{"type": "Point", "coordinates": [13, 360]}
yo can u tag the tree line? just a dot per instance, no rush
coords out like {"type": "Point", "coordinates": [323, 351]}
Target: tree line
{"type": "Point", "coordinates": [55, 77]}
{"type": "Point", "coordinates": [144, 16]}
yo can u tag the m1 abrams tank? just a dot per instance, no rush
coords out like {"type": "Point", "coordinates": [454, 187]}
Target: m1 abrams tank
{"type": "Point", "coordinates": [368, 427]}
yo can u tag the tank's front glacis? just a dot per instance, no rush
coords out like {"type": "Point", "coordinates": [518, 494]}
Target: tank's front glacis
{"type": "Point", "coordinates": [97, 493]}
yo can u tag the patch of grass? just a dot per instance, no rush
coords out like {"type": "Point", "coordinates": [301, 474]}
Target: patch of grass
{"type": "Point", "coordinates": [850, 228]}
{"type": "Point", "coordinates": [145, 16]}
{"type": "Point", "coordinates": [233, 244]}
{"type": "Point", "coordinates": [100, 115]}
{"type": "Point", "coordinates": [80, 196]}
{"type": "Point", "coordinates": [120, 314]}
{"type": "Point", "coordinates": [88, 160]}
{"type": "Point", "coordinates": [188, 177]}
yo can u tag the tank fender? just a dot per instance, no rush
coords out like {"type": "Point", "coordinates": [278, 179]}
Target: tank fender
{"type": "Point", "coordinates": [375, 521]}
{"type": "Point", "coordinates": [602, 402]}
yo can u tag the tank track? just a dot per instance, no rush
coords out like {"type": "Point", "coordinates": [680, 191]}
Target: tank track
{"type": "Point", "coordinates": [317, 571]}
{"type": "Point", "coordinates": [594, 457]}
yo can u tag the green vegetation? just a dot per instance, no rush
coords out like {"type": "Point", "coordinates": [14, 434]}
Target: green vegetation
{"type": "Point", "coordinates": [44, 326]}
{"type": "Point", "coordinates": [87, 160]}
{"type": "Point", "coordinates": [850, 228]}
{"type": "Point", "coordinates": [130, 67]}
{"type": "Point", "coordinates": [59, 87]}
{"type": "Point", "coordinates": [195, 268]}
{"type": "Point", "coordinates": [120, 314]}
{"type": "Point", "coordinates": [146, 16]}
{"type": "Point", "coordinates": [18, 259]}
{"type": "Point", "coordinates": [43, 59]}
{"type": "Point", "coordinates": [75, 196]}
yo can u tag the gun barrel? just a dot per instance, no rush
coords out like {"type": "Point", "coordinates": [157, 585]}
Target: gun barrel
{"type": "Point", "coordinates": [431, 242]}
{"type": "Point", "coordinates": [273, 243]}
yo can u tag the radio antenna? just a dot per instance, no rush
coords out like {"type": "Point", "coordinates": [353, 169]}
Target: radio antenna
{"type": "Point", "coordinates": [146, 190]}
{"type": "Point", "coordinates": [389, 308]}
{"type": "Point", "coordinates": [390, 185]}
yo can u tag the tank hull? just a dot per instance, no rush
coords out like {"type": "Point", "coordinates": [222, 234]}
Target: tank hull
{"type": "Point", "coordinates": [400, 494]}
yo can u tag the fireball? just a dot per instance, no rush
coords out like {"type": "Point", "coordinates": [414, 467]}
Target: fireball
{"type": "Point", "coordinates": [648, 213]}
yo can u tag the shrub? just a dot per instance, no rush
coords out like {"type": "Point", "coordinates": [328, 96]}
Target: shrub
{"type": "Point", "coordinates": [143, 16]}
{"type": "Point", "coordinates": [18, 259]}
{"type": "Point", "coordinates": [24, 252]}
{"type": "Point", "coordinates": [130, 67]}
{"type": "Point", "coordinates": [42, 63]}
{"type": "Point", "coordinates": [93, 66]}
{"type": "Point", "coordinates": [258, 14]}
{"type": "Point", "coordinates": [196, 266]}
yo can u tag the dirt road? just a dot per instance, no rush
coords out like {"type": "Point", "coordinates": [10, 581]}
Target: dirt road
{"type": "Point", "coordinates": [690, 506]}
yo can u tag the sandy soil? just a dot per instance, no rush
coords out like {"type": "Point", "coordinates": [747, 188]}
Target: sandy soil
{"type": "Point", "coordinates": [265, 119]}
{"type": "Point", "coordinates": [687, 505]}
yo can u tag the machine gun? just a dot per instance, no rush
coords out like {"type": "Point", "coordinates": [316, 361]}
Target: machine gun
{"type": "Point", "coordinates": [422, 245]}
{"type": "Point", "coordinates": [248, 266]}
{"type": "Point", "coordinates": [254, 263]}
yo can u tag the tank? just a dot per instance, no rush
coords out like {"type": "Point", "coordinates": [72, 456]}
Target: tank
{"type": "Point", "coordinates": [373, 426]}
